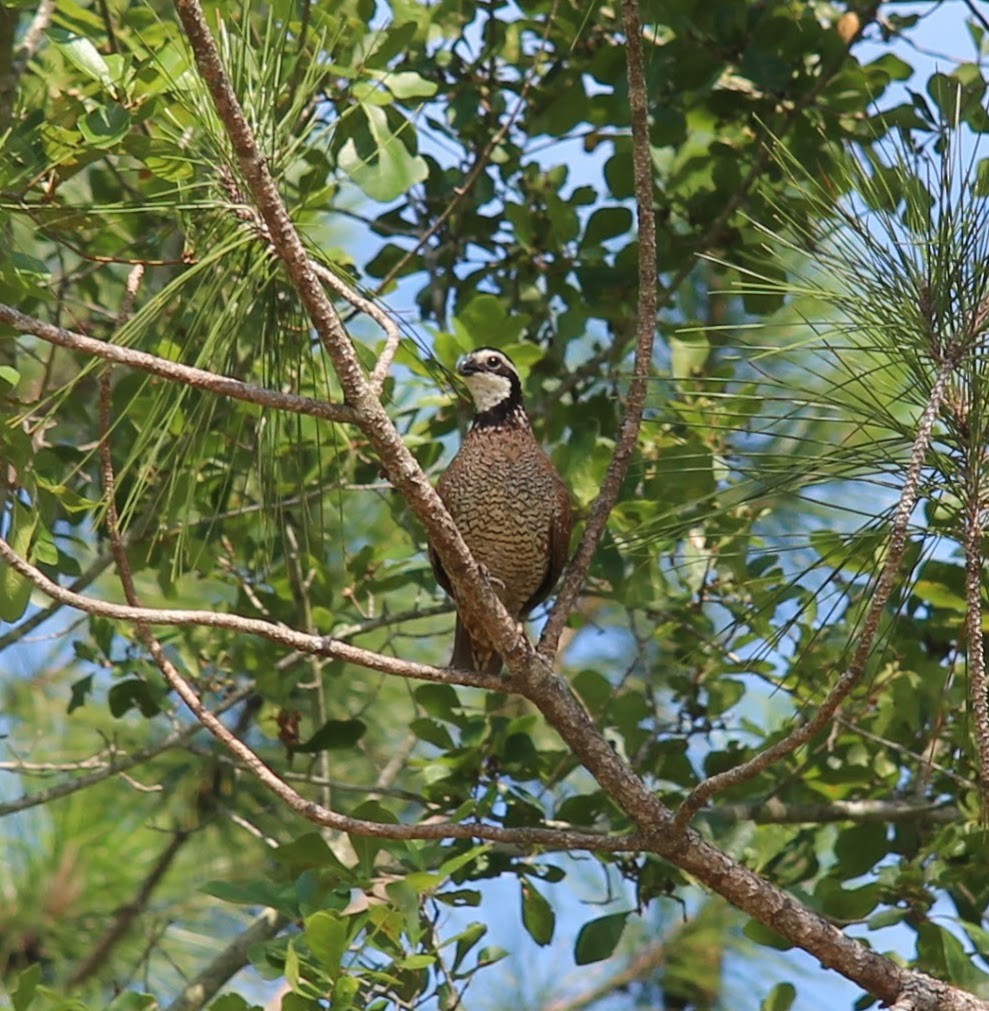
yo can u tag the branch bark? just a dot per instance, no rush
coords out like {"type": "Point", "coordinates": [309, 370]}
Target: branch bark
{"type": "Point", "coordinates": [228, 962]}
{"type": "Point", "coordinates": [175, 372]}
{"type": "Point", "coordinates": [474, 594]}
{"type": "Point", "coordinates": [880, 595]}
{"type": "Point", "coordinates": [645, 334]}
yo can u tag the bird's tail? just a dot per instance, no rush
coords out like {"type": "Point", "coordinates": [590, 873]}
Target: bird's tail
{"type": "Point", "coordinates": [471, 655]}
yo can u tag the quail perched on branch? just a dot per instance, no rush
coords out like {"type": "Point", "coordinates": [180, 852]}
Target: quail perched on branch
{"type": "Point", "coordinates": [508, 501]}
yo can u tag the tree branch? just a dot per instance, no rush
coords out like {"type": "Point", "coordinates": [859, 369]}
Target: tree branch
{"type": "Point", "coordinates": [228, 962]}
{"type": "Point", "coordinates": [886, 812]}
{"type": "Point", "coordinates": [556, 838]}
{"type": "Point", "coordinates": [645, 334]}
{"type": "Point", "coordinates": [281, 634]}
{"type": "Point", "coordinates": [174, 371]}
{"type": "Point", "coordinates": [978, 683]}
{"type": "Point", "coordinates": [879, 597]}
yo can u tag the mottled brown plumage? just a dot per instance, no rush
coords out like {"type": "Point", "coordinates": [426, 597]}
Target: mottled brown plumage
{"type": "Point", "coordinates": [508, 501]}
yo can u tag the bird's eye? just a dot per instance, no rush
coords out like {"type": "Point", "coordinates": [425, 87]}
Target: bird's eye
{"type": "Point", "coordinates": [493, 361]}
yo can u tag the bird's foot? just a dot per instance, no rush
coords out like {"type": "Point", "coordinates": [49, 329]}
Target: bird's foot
{"type": "Point", "coordinates": [498, 584]}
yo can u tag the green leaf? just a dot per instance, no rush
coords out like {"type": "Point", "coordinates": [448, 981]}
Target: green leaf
{"type": "Point", "coordinates": [334, 735]}
{"type": "Point", "coordinates": [432, 733]}
{"type": "Point", "coordinates": [598, 939]}
{"type": "Point", "coordinates": [390, 169]}
{"type": "Point", "coordinates": [440, 701]}
{"type": "Point", "coordinates": [466, 940]}
{"type": "Point", "coordinates": [846, 903]}
{"type": "Point", "coordinates": [606, 223]}
{"type": "Point", "coordinates": [82, 54]}
{"type": "Point", "coordinates": [493, 953]}
{"type": "Point", "coordinates": [766, 936]}
{"type": "Point", "coordinates": [689, 353]}
{"type": "Point", "coordinates": [327, 936]}
{"type": "Point", "coordinates": [231, 1002]}
{"type": "Point", "coordinates": [780, 998]}
{"type": "Point", "coordinates": [887, 918]}
{"type": "Point", "coordinates": [9, 375]}
{"type": "Point", "coordinates": [408, 84]}
{"type": "Point", "coordinates": [594, 689]}
{"type": "Point", "coordinates": [248, 893]}
{"type": "Point", "coordinates": [133, 693]}
{"type": "Point", "coordinates": [130, 1001]}
{"type": "Point", "coordinates": [15, 589]}
{"type": "Point", "coordinates": [893, 67]}
{"type": "Point", "coordinates": [859, 848]}
{"type": "Point", "coordinates": [459, 897]}
{"type": "Point", "coordinates": [415, 962]}
{"type": "Point", "coordinates": [291, 965]}
{"type": "Point", "coordinates": [345, 990]}
{"type": "Point", "coordinates": [940, 952]}
{"type": "Point", "coordinates": [106, 126]}
{"type": "Point", "coordinates": [367, 847]}
{"type": "Point", "coordinates": [80, 692]}
{"type": "Point", "coordinates": [298, 1001]}
{"type": "Point", "coordinates": [538, 917]}
{"type": "Point", "coordinates": [307, 851]}
{"type": "Point", "coordinates": [27, 983]}
{"type": "Point", "coordinates": [484, 321]}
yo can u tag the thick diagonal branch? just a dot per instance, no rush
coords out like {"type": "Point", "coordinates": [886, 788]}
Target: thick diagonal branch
{"type": "Point", "coordinates": [473, 592]}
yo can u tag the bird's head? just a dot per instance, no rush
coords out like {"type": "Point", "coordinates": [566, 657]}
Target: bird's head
{"type": "Point", "coordinates": [492, 379]}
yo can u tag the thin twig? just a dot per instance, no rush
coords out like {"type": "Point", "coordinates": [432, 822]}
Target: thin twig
{"type": "Point", "coordinates": [300, 590]}
{"type": "Point", "coordinates": [870, 627]}
{"type": "Point", "coordinates": [393, 335]}
{"type": "Point", "coordinates": [641, 967]}
{"type": "Point", "coordinates": [125, 916]}
{"type": "Point", "coordinates": [645, 335]}
{"type": "Point", "coordinates": [119, 765]}
{"type": "Point", "coordinates": [978, 683]}
{"type": "Point", "coordinates": [128, 913]}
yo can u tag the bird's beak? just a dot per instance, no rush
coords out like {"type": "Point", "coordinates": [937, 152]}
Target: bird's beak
{"type": "Point", "coordinates": [466, 366]}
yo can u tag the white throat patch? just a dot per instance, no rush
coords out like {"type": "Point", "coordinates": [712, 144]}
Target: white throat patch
{"type": "Point", "coordinates": [488, 390]}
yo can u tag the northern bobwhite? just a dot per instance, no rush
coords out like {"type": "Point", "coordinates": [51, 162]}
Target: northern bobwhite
{"type": "Point", "coordinates": [508, 501]}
